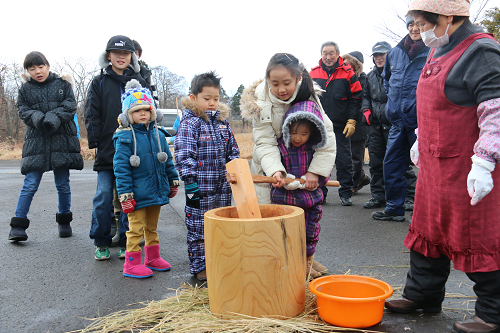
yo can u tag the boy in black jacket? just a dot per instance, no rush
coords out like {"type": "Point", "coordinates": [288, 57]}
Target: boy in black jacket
{"type": "Point", "coordinates": [119, 64]}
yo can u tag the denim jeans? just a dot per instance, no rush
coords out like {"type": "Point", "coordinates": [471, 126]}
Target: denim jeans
{"type": "Point", "coordinates": [32, 181]}
{"type": "Point", "coordinates": [102, 212]}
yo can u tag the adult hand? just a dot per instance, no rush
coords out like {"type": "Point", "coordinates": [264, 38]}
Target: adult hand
{"type": "Point", "coordinates": [367, 117]}
{"type": "Point", "coordinates": [128, 206]}
{"type": "Point", "coordinates": [311, 181]}
{"type": "Point", "coordinates": [350, 128]}
{"type": "Point", "coordinates": [173, 192]}
{"type": "Point", "coordinates": [415, 157]}
{"type": "Point", "coordinates": [279, 177]}
{"type": "Point", "coordinates": [479, 180]}
{"type": "Point", "coordinates": [193, 195]}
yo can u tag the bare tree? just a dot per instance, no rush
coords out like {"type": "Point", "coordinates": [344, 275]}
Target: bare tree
{"type": "Point", "coordinates": [394, 29]}
{"type": "Point", "coordinates": [169, 86]}
{"type": "Point", "coordinates": [10, 81]}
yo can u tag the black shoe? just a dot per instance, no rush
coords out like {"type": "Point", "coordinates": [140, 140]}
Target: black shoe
{"type": "Point", "coordinates": [17, 234]}
{"type": "Point", "coordinates": [384, 216]}
{"type": "Point", "coordinates": [65, 230]}
{"type": "Point", "coordinates": [403, 305]}
{"type": "Point", "coordinates": [345, 201]}
{"type": "Point", "coordinates": [374, 203]}
{"type": "Point", "coordinates": [409, 205]}
{"type": "Point", "coordinates": [362, 183]}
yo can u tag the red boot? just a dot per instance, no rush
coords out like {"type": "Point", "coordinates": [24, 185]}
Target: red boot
{"type": "Point", "coordinates": [133, 266]}
{"type": "Point", "coordinates": [153, 260]}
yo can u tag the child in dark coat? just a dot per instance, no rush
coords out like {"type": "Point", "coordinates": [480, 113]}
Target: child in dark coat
{"type": "Point", "coordinates": [145, 178]}
{"type": "Point", "coordinates": [47, 106]}
{"type": "Point", "coordinates": [303, 132]}
{"type": "Point", "coordinates": [203, 146]}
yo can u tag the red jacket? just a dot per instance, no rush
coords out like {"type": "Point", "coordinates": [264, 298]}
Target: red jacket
{"type": "Point", "coordinates": [342, 99]}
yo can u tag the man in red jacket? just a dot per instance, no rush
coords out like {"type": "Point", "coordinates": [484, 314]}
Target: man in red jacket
{"type": "Point", "coordinates": [342, 104]}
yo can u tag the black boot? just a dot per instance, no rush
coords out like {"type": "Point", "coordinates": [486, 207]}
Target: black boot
{"type": "Point", "coordinates": [18, 229]}
{"type": "Point", "coordinates": [64, 228]}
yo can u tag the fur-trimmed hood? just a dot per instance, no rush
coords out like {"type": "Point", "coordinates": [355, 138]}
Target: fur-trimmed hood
{"type": "Point", "coordinates": [306, 110]}
{"type": "Point", "coordinates": [104, 62]}
{"type": "Point", "coordinates": [355, 64]}
{"type": "Point", "coordinates": [66, 77]}
{"type": "Point", "coordinates": [189, 104]}
{"type": "Point", "coordinates": [249, 102]}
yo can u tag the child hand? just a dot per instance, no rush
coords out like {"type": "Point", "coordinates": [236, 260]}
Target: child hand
{"type": "Point", "coordinates": [279, 177]}
{"type": "Point", "coordinates": [173, 192]}
{"type": "Point", "coordinates": [193, 195]}
{"type": "Point", "coordinates": [311, 181]}
{"type": "Point", "coordinates": [128, 206]}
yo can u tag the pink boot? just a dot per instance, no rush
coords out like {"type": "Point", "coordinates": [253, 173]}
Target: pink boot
{"type": "Point", "coordinates": [153, 260]}
{"type": "Point", "coordinates": [133, 266]}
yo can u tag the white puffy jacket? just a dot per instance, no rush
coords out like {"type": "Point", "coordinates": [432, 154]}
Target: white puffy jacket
{"type": "Point", "coordinates": [266, 112]}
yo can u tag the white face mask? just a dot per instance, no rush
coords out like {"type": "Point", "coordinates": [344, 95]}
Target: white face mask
{"type": "Point", "coordinates": [430, 39]}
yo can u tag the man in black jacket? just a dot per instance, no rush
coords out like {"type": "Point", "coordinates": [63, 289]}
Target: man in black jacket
{"type": "Point", "coordinates": [374, 102]}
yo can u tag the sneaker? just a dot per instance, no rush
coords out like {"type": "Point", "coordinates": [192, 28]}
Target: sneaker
{"type": "Point", "coordinates": [345, 201]}
{"type": "Point", "coordinates": [374, 203]}
{"type": "Point", "coordinates": [409, 205]}
{"type": "Point", "coordinates": [101, 253]}
{"type": "Point", "coordinates": [121, 253]}
{"type": "Point", "coordinates": [384, 216]}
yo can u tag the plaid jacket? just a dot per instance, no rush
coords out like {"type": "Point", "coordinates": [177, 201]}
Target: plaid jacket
{"type": "Point", "coordinates": [204, 144]}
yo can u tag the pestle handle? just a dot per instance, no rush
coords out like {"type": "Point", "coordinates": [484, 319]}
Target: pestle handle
{"type": "Point", "coordinates": [231, 178]}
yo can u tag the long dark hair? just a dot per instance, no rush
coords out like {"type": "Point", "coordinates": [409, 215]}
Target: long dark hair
{"type": "Point", "coordinates": [295, 67]}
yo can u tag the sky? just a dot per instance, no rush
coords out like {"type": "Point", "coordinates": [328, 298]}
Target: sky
{"type": "Point", "coordinates": [234, 38]}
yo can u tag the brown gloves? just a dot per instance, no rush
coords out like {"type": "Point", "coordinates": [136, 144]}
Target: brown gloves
{"type": "Point", "coordinates": [350, 128]}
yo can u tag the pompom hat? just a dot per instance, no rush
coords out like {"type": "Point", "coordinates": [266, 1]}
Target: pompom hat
{"type": "Point", "coordinates": [442, 7]}
{"type": "Point", "coordinates": [136, 98]}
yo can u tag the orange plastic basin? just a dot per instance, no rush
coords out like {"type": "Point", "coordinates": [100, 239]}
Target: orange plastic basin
{"type": "Point", "coordinates": [350, 300]}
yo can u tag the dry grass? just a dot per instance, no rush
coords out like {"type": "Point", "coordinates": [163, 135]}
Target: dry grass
{"type": "Point", "coordinates": [188, 311]}
{"type": "Point", "coordinates": [14, 151]}
{"type": "Point", "coordinates": [245, 143]}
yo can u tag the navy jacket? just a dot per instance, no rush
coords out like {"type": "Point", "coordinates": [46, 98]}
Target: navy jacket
{"type": "Point", "coordinates": [400, 81]}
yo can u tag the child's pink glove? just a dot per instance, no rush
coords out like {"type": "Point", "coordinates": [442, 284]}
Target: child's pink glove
{"type": "Point", "coordinates": [173, 192]}
{"type": "Point", "coordinates": [128, 206]}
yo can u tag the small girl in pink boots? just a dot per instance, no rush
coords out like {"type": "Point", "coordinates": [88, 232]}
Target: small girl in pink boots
{"type": "Point", "coordinates": [145, 178]}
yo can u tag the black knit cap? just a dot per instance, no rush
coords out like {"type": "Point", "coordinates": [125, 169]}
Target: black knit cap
{"type": "Point", "coordinates": [120, 42]}
{"type": "Point", "coordinates": [358, 55]}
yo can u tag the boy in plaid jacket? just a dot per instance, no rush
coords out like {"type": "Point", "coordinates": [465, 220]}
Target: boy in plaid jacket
{"type": "Point", "coordinates": [303, 132]}
{"type": "Point", "coordinates": [203, 146]}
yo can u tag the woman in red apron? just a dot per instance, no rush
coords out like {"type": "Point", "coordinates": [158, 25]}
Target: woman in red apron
{"type": "Point", "coordinates": [457, 205]}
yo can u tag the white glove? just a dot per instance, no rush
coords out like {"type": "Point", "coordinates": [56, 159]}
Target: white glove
{"type": "Point", "coordinates": [479, 181]}
{"type": "Point", "coordinates": [295, 184]}
{"type": "Point", "coordinates": [415, 157]}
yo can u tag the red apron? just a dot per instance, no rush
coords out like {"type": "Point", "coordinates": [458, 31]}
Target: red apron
{"type": "Point", "coordinates": [444, 222]}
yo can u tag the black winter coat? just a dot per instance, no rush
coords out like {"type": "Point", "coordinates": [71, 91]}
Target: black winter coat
{"type": "Point", "coordinates": [102, 108]}
{"type": "Point", "coordinates": [375, 99]}
{"type": "Point", "coordinates": [361, 133]}
{"type": "Point", "coordinates": [48, 109]}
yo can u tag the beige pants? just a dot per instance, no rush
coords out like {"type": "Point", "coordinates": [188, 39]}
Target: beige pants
{"type": "Point", "coordinates": [141, 222]}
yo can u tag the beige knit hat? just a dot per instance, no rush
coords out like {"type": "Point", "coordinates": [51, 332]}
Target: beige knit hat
{"type": "Point", "coordinates": [442, 7]}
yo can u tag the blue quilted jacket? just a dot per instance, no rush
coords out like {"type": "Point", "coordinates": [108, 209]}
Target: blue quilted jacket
{"type": "Point", "coordinates": [400, 82]}
{"type": "Point", "coordinates": [151, 180]}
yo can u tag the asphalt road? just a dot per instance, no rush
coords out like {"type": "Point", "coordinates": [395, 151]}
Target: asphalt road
{"type": "Point", "coordinates": [50, 284]}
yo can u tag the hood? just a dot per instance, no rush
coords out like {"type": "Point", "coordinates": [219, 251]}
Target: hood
{"type": "Point", "coordinates": [310, 111]}
{"type": "Point", "coordinates": [189, 104]}
{"type": "Point", "coordinates": [104, 62]}
{"type": "Point", "coordinates": [249, 106]}
{"type": "Point", "coordinates": [355, 64]}
{"type": "Point", "coordinates": [66, 77]}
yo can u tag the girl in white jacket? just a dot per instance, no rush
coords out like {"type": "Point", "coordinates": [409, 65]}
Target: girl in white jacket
{"type": "Point", "coordinates": [287, 82]}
